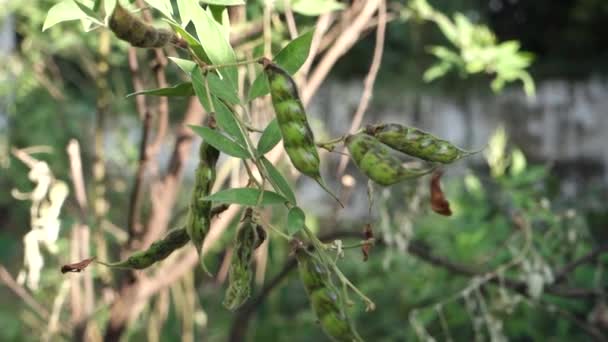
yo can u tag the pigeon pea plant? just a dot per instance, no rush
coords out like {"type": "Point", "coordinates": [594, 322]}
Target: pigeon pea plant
{"type": "Point", "coordinates": [212, 67]}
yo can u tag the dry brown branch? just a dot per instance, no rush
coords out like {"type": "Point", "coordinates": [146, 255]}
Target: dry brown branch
{"type": "Point", "coordinates": [321, 27]}
{"type": "Point", "coordinates": [73, 150]}
{"type": "Point", "coordinates": [370, 79]}
{"type": "Point", "coordinates": [345, 41]}
{"type": "Point", "coordinates": [22, 293]}
{"type": "Point", "coordinates": [291, 21]}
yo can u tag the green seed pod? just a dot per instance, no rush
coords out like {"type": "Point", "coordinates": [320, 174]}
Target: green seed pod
{"type": "Point", "coordinates": [248, 238]}
{"type": "Point", "coordinates": [298, 138]}
{"type": "Point", "coordinates": [157, 251]}
{"type": "Point", "coordinates": [378, 162]}
{"type": "Point", "coordinates": [129, 28]}
{"type": "Point", "coordinates": [417, 143]}
{"type": "Point", "coordinates": [199, 211]}
{"type": "Point", "coordinates": [327, 302]}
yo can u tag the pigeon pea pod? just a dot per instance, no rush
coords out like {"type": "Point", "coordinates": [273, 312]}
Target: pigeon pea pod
{"type": "Point", "coordinates": [378, 162]}
{"type": "Point", "coordinates": [199, 210]}
{"type": "Point", "coordinates": [157, 251]}
{"type": "Point", "coordinates": [417, 143]}
{"type": "Point", "coordinates": [298, 138]}
{"type": "Point", "coordinates": [129, 28]}
{"type": "Point", "coordinates": [328, 303]}
{"type": "Point", "coordinates": [248, 237]}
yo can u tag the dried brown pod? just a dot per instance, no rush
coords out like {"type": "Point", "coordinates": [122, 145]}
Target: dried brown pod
{"type": "Point", "coordinates": [439, 203]}
{"type": "Point", "coordinates": [77, 266]}
{"type": "Point", "coordinates": [368, 234]}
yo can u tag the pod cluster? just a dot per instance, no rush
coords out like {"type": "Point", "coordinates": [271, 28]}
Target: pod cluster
{"type": "Point", "coordinates": [378, 161]}
{"type": "Point", "coordinates": [248, 237]}
{"type": "Point", "coordinates": [298, 138]}
{"type": "Point", "coordinates": [158, 251]}
{"type": "Point", "coordinates": [199, 210]}
{"type": "Point", "coordinates": [328, 303]}
{"type": "Point", "coordinates": [129, 28]}
{"type": "Point", "coordinates": [417, 143]}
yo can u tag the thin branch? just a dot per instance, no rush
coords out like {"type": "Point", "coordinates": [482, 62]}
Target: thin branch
{"type": "Point", "coordinates": [17, 289]}
{"type": "Point", "coordinates": [134, 226]}
{"type": "Point", "coordinates": [73, 150]}
{"type": "Point", "coordinates": [370, 79]}
{"type": "Point", "coordinates": [343, 43]}
{"type": "Point", "coordinates": [589, 257]}
{"type": "Point", "coordinates": [291, 21]}
{"type": "Point", "coordinates": [321, 27]}
{"type": "Point", "coordinates": [418, 249]}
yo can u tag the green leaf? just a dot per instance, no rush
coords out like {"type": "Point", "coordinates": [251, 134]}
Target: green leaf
{"type": "Point", "coordinates": [224, 2]}
{"type": "Point", "coordinates": [260, 87]}
{"type": "Point", "coordinates": [227, 122]}
{"type": "Point", "coordinates": [270, 138]}
{"type": "Point", "coordinates": [163, 6]}
{"type": "Point", "coordinates": [108, 7]}
{"type": "Point", "coordinates": [198, 83]}
{"type": "Point", "coordinates": [192, 42]}
{"type": "Point", "coordinates": [186, 65]}
{"type": "Point", "coordinates": [181, 89]}
{"type": "Point", "coordinates": [280, 181]}
{"type": "Point", "coordinates": [64, 11]}
{"type": "Point", "coordinates": [221, 142]}
{"type": "Point", "coordinates": [215, 43]}
{"type": "Point", "coordinates": [185, 9]}
{"type": "Point", "coordinates": [290, 58]}
{"type": "Point", "coordinates": [247, 197]}
{"type": "Point", "coordinates": [91, 15]}
{"type": "Point", "coordinates": [222, 89]}
{"type": "Point", "coordinates": [295, 220]}
{"type": "Point", "coordinates": [315, 7]}
{"type": "Point", "coordinates": [294, 54]}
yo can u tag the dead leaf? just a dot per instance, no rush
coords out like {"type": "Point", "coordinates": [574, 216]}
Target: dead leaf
{"type": "Point", "coordinates": [77, 266]}
{"type": "Point", "coordinates": [368, 234]}
{"type": "Point", "coordinates": [439, 203]}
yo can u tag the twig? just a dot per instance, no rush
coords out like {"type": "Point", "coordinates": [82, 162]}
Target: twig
{"type": "Point", "coordinates": [73, 150]}
{"type": "Point", "coordinates": [17, 289]}
{"type": "Point", "coordinates": [370, 79]}
{"type": "Point", "coordinates": [134, 226]}
{"type": "Point", "coordinates": [291, 21]}
{"type": "Point", "coordinates": [416, 248]}
{"type": "Point", "coordinates": [321, 27]}
{"type": "Point", "coordinates": [344, 42]}
{"type": "Point", "coordinates": [570, 267]}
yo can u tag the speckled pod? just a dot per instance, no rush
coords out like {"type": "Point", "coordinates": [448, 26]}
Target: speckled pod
{"type": "Point", "coordinates": [199, 210]}
{"type": "Point", "coordinates": [326, 300]}
{"type": "Point", "coordinates": [129, 28]}
{"type": "Point", "coordinates": [417, 143]}
{"type": "Point", "coordinates": [248, 238]}
{"type": "Point", "coordinates": [378, 162]}
{"type": "Point", "coordinates": [298, 138]}
{"type": "Point", "coordinates": [158, 251]}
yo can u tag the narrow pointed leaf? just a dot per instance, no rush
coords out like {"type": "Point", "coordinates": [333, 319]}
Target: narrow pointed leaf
{"type": "Point", "coordinates": [246, 197]}
{"type": "Point", "coordinates": [221, 142]}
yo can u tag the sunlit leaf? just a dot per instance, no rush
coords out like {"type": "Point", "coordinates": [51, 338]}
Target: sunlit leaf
{"type": "Point", "coordinates": [247, 197]}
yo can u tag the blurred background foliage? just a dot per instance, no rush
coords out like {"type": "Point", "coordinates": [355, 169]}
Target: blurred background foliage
{"type": "Point", "coordinates": [48, 90]}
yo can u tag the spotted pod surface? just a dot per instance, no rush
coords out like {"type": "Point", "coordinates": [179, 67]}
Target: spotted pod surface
{"type": "Point", "coordinates": [326, 300]}
{"type": "Point", "coordinates": [133, 30]}
{"type": "Point", "coordinates": [157, 251]}
{"type": "Point", "coordinates": [378, 162]}
{"type": "Point", "coordinates": [417, 143]}
{"type": "Point", "coordinates": [199, 210]}
{"type": "Point", "coordinates": [298, 138]}
{"type": "Point", "coordinates": [248, 237]}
